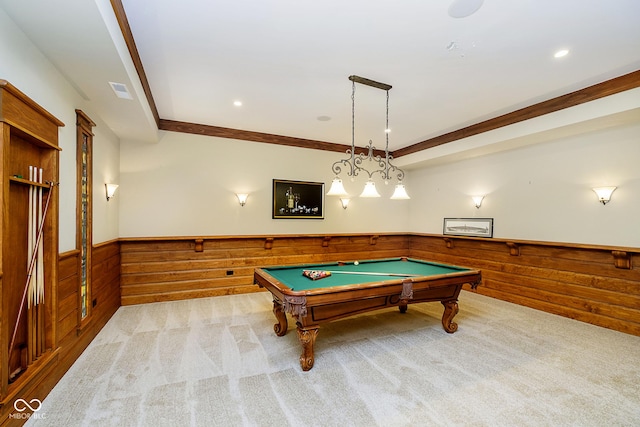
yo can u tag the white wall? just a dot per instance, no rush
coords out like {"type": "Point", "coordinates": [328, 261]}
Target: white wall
{"type": "Point", "coordinates": [541, 192]}
{"type": "Point", "coordinates": [185, 185]}
{"type": "Point", "coordinates": [24, 66]}
{"type": "Point", "coordinates": [106, 169]}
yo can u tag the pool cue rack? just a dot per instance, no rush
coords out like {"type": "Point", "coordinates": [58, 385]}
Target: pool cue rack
{"type": "Point", "coordinates": [29, 159]}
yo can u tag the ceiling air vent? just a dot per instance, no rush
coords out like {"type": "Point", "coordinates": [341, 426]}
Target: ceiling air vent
{"type": "Point", "coordinates": [121, 91]}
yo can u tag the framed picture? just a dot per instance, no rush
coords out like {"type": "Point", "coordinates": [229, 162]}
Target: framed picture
{"type": "Point", "coordinates": [298, 199]}
{"type": "Point", "coordinates": [474, 227]}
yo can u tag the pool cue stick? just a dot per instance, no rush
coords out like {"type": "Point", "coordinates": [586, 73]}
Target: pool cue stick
{"type": "Point", "coordinates": [30, 271]}
{"type": "Point", "coordinates": [40, 279]}
{"type": "Point", "coordinates": [31, 254]}
{"type": "Point", "coordinates": [371, 273]}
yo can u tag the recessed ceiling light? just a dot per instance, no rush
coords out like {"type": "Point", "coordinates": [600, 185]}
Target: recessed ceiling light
{"type": "Point", "coordinates": [237, 103]}
{"type": "Point", "coordinates": [464, 8]}
{"type": "Point", "coordinates": [561, 53]}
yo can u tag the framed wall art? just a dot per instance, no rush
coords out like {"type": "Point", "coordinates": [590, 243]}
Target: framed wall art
{"type": "Point", "coordinates": [298, 199]}
{"type": "Point", "coordinates": [474, 227]}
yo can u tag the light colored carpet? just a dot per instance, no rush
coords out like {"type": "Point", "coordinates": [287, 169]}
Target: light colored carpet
{"type": "Point", "coordinates": [217, 362]}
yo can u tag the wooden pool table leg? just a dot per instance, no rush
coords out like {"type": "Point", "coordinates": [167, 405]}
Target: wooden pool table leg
{"type": "Point", "coordinates": [403, 308]}
{"type": "Point", "coordinates": [281, 327]}
{"type": "Point", "coordinates": [307, 337]}
{"type": "Point", "coordinates": [450, 311]}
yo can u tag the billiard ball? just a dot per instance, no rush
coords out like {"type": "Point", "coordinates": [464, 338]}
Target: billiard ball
{"type": "Point", "coordinates": [355, 263]}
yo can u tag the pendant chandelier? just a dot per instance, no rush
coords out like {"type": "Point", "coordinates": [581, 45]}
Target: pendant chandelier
{"type": "Point", "coordinates": [354, 164]}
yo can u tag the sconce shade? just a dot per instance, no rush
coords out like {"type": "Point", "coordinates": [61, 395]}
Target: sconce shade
{"type": "Point", "coordinates": [242, 198]}
{"type": "Point", "coordinates": [110, 190]}
{"type": "Point", "coordinates": [477, 201]}
{"type": "Point", "coordinates": [604, 194]}
{"type": "Point", "coordinates": [370, 190]}
{"type": "Point", "coordinates": [345, 202]}
{"type": "Point", "coordinates": [400, 193]}
{"type": "Point", "coordinates": [337, 189]}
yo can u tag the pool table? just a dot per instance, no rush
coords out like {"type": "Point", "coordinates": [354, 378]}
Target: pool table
{"type": "Point", "coordinates": [358, 287]}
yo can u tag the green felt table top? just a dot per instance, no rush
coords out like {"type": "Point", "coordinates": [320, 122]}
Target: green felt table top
{"type": "Point", "coordinates": [293, 278]}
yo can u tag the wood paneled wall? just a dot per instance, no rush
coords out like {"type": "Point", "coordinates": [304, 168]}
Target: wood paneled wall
{"type": "Point", "coordinates": [68, 299]}
{"type": "Point", "coordinates": [598, 285]}
{"type": "Point", "coordinates": [594, 284]}
{"type": "Point", "coordinates": [172, 269]}
{"type": "Point", "coordinates": [105, 297]}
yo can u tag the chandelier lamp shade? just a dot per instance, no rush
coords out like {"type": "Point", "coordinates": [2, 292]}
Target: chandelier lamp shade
{"type": "Point", "coordinates": [337, 188]}
{"type": "Point", "coordinates": [369, 163]}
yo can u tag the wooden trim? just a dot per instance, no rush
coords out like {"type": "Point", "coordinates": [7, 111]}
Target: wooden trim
{"type": "Point", "coordinates": [84, 128]}
{"type": "Point", "coordinates": [255, 236]}
{"type": "Point", "coordinates": [512, 242]}
{"type": "Point", "coordinates": [84, 121]}
{"type": "Point", "coordinates": [621, 259]}
{"type": "Point", "coordinates": [31, 104]}
{"type": "Point", "coordinates": [107, 243]}
{"type": "Point", "coordinates": [591, 93]}
{"type": "Point", "coordinates": [245, 135]}
{"type": "Point", "coordinates": [268, 243]}
{"type": "Point", "coordinates": [448, 243]}
{"type": "Point", "coordinates": [121, 17]}
{"type": "Point", "coordinates": [27, 118]}
{"type": "Point", "coordinates": [68, 254]}
{"type": "Point", "coordinates": [514, 249]}
{"type": "Point", "coordinates": [377, 235]}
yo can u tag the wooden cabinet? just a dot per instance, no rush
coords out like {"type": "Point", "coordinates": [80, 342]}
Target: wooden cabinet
{"type": "Point", "coordinates": [28, 137]}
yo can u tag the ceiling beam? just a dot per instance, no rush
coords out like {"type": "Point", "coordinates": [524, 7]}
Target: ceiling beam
{"type": "Point", "coordinates": [123, 22]}
{"type": "Point", "coordinates": [591, 93]}
{"type": "Point", "coordinates": [245, 135]}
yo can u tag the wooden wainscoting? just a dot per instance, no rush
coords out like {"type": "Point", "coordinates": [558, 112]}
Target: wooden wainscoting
{"type": "Point", "coordinates": [594, 284]}
{"type": "Point", "coordinates": [68, 299]}
{"type": "Point", "coordinates": [105, 295]}
{"type": "Point", "coordinates": [105, 276]}
{"type": "Point", "coordinates": [165, 269]}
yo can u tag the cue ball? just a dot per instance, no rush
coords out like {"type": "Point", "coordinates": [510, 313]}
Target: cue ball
{"type": "Point", "coordinates": [355, 263]}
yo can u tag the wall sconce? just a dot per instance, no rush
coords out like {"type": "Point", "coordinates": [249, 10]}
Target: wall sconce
{"type": "Point", "coordinates": [604, 194]}
{"type": "Point", "coordinates": [477, 201]}
{"type": "Point", "coordinates": [242, 198]}
{"type": "Point", "coordinates": [110, 189]}
{"type": "Point", "coordinates": [345, 202]}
